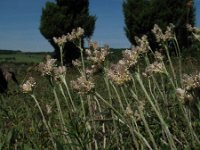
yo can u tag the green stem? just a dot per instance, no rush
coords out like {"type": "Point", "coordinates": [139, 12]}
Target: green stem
{"type": "Point", "coordinates": [108, 104]}
{"type": "Point", "coordinates": [61, 89]}
{"type": "Point", "coordinates": [133, 132]}
{"type": "Point", "coordinates": [170, 78]}
{"type": "Point", "coordinates": [61, 55]}
{"type": "Point", "coordinates": [147, 128]}
{"type": "Point", "coordinates": [155, 101]}
{"type": "Point", "coordinates": [58, 107]}
{"type": "Point", "coordinates": [112, 113]}
{"type": "Point", "coordinates": [82, 58]}
{"type": "Point", "coordinates": [179, 60]}
{"type": "Point", "coordinates": [141, 137]}
{"type": "Point", "coordinates": [68, 92]}
{"type": "Point", "coordinates": [118, 97]}
{"type": "Point", "coordinates": [164, 125]}
{"type": "Point", "coordinates": [145, 122]}
{"type": "Point", "coordinates": [92, 118]}
{"type": "Point", "coordinates": [190, 125]}
{"type": "Point", "coordinates": [171, 65]}
{"type": "Point", "coordinates": [44, 121]}
{"type": "Point", "coordinates": [83, 107]}
{"type": "Point", "coordinates": [125, 97]}
{"type": "Point", "coordinates": [60, 115]}
{"type": "Point", "coordinates": [103, 125]}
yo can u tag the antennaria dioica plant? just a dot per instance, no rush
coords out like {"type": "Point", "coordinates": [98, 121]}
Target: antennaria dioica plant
{"type": "Point", "coordinates": [143, 101]}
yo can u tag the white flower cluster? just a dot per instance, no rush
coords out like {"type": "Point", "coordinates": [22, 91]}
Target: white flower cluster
{"type": "Point", "coordinates": [75, 34]}
{"type": "Point", "coordinates": [28, 86]}
{"type": "Point", "coordinates": [163, 37]}
{"type": "Point", "coordinates": [82, 85]}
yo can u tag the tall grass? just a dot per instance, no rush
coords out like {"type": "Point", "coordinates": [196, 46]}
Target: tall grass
{"type": "Point", "coordinates": [143, 101]}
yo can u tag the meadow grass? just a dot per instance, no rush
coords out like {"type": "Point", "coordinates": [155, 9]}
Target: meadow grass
{"type": "Point", "coordinates": [141, 101]}
{"type": "Point", "coordinates": [22, 57]}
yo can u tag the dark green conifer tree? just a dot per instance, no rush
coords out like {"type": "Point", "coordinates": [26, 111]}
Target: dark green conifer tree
{"type": "Point", "coordinates": [60, 18]}
{"type": "Point", "coordinates": [141, 15]}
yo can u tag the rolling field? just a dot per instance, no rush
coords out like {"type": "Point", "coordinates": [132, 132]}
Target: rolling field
{"type": "Point", "coordinates": [22, 57]}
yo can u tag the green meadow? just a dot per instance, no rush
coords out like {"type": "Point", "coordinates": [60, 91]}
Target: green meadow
{"type": "Point", "coordinates": [133, 99]}
{"type": "Point", "coordinates": [21, 57]}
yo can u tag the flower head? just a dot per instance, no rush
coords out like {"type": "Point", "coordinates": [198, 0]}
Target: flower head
{"type": "Point", "coordinates": [95, 55]}
{"type": "Point", "coordinates": [59, 71]}
{"type": "Point", "coordinates": [75, 34]}
{"type": "Point", "coordinates": [142, 44]}
{"type": "Point", "coordinates": [189, 27]}
{"type": "Point", "coordinates": [158, 56]}
{"type": "Point", "coordinates": [76, 63]}
{"type": "Point", "coordinates": [60, 41]}
{"type": "Point", "coordinates": [191, 81]}
{"type": "Point", "coordinates": [118, 73]}
{"type": "Point", "coordinates": [79, 32]}
{"type": "Point", "coordinates": [91, 70]}
{"type": "Point", "coordinates": [156, 67]}
{"type": "Point", "coordinates": [158, 33]}
{"type": "Point", "coordinates": [163, 37]}
{"type": "Point", "coordinates": [195, 31]}
{"type": "Point", "coordinates": [46, 67]}
{"type": "Point", "coordinates": [128, 112]}
{"type": "Point", "coordinates": [130, 57]}
{"type": "Point", "coordinates": [82, 85]}
{"type": "Point", "coordinates": [93, 45]}
{"type": "Point", "coordinates": [28, 85]}
{"type": "Point", "coordinates": [180, 93]}
{"type": "Point", "coordinates": [48, 109]}
{"type": "Point", "coordinates": [183, 95]}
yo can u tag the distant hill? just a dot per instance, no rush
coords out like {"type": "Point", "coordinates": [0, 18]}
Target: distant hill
{"type": "Point", "coordinates": [2, 51]}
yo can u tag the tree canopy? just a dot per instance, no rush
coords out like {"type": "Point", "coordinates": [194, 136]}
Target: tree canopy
{"type": "Point", "coordinates": [60, 17]}
{"type": "Point", "coordinates": [141, 15]}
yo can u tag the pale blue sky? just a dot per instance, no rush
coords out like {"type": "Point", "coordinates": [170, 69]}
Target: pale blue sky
{"type": "Point", "coordinates": [20, 19]}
